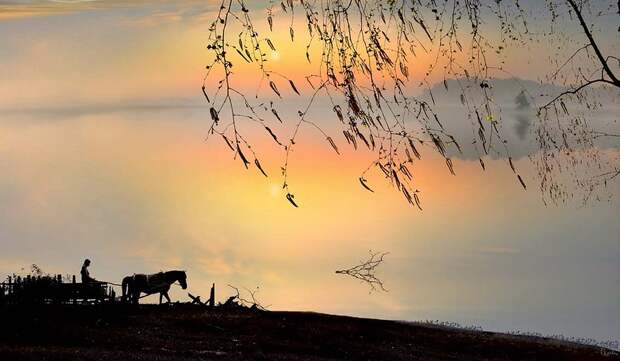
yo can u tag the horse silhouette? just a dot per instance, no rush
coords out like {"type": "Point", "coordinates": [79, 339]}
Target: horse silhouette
{"type": "Point", "coordinates": [135, 285]}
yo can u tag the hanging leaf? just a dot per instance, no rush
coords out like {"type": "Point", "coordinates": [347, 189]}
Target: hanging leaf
{"type": "Point", "coordinates": [564, 107]}
{"type": "Point", "coordinates": [522, 182]}
{"type": "Point", "coordinates": [292, 32]}
{"type": "Point", "coordinates": [242, 156]}
{"type": "Point", "coordinates": [243, 55]}
{"type": "Point", "coordinates": [414, 149]}
{"type": "Point", "coordinates": [338, 112]}
{"type": "Point", "coordinates": [363, 138]}
{"type": "Point", "coordinates": [437, 120]}
{"type": "Point", "coordinates": [403, 168]}
{"type": "Point", "coordinates": [409, 159]}
{"type": "Point", "coordinates": [456, 144]}
{"type": "Point", "coordinates": [273, 48]}
{"type": "Point", "coordinates": [395, 178]}
{"type": "Point", "coordinates": [346, 136]}
{"type": "Point", "coordinates": [482, 164]}
{"type": "Point", "coordinates": [274, 88]}
{"type": "Point", "coordinates": [259, 167]}
{"type": "Point", "coordinates": [331, 141]}
{"type": "Point", "coordinates": [407, 195]}
{"type": "Point", "coordinates": [417, 200]}
{"type": "Point", "coordinates": [276, 114]}
{"type": "Point", "coordinates": [272, 135]}
{"type": "Point", "coordinates": [294, 87]}
{"type": "Point", "coordinates": [421, 23]}
{"type": "Point", "coordinates": [439, 144]}
{"type": "Point", "coordinates": [404, 69]}
{"type": "Point", "coordinates": [450, 166]}
{"type": "Point", "coordinates": [290, 199]}
{"type": "Point", "coordinates": [214, 115]}
{"type": "Point", "coordinates": [363, 182]}
{"type": "Point", "coordinates": [228, 143]}
{"type": "Point", "coordinates": [383, 169]}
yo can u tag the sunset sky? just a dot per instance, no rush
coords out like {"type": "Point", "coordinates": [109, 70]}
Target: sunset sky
{"type": "Point", "coordinates": [103, 155]}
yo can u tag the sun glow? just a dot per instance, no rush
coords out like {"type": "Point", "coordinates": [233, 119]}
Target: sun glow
{"type": "Point", "coordinates": [275, 190]}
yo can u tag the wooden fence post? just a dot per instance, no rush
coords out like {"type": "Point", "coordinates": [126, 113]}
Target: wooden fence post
{"type": "Point", "coordinates": [73, 295]}
{"type": "Point", "coordinates": [212, 296]}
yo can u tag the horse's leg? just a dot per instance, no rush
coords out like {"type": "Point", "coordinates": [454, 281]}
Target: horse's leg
{"type": "Point", "coordinates": [164, 292]}
{"type": "Point", "coordinates": [160, 296]}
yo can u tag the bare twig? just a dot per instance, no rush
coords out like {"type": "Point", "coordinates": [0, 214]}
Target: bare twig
{"type": "Point", "coordinates": [237, 300]}
{"type": "Point", "coordinates": [366, 270]}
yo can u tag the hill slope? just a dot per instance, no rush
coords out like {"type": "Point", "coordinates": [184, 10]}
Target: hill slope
{"type": "Point", "coordinates": [184, 332]}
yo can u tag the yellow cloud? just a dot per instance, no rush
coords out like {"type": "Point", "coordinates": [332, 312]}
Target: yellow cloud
{"type": "Point", "coordinates": [16, 10]}
{"type": "Point", "coordinates": [27, 11]}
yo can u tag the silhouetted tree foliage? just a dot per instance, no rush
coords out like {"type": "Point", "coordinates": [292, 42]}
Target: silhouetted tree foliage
{"type": "Point", "coordinates": [362, 51]}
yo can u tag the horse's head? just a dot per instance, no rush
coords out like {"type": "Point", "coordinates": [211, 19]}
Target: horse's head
{"type": "Point", "coordinates": [183, 280]}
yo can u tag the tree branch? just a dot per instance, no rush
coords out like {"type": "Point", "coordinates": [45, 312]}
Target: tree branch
{"type": "Point", "coordinates": [601, 58]}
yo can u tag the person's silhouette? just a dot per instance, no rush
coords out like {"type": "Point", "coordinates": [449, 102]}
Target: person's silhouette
{"type": "Point", "coordinates": [86, 278]}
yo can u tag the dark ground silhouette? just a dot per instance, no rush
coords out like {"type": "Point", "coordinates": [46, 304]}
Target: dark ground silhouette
{"type": "Point", "coordinates": [191, 332]}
